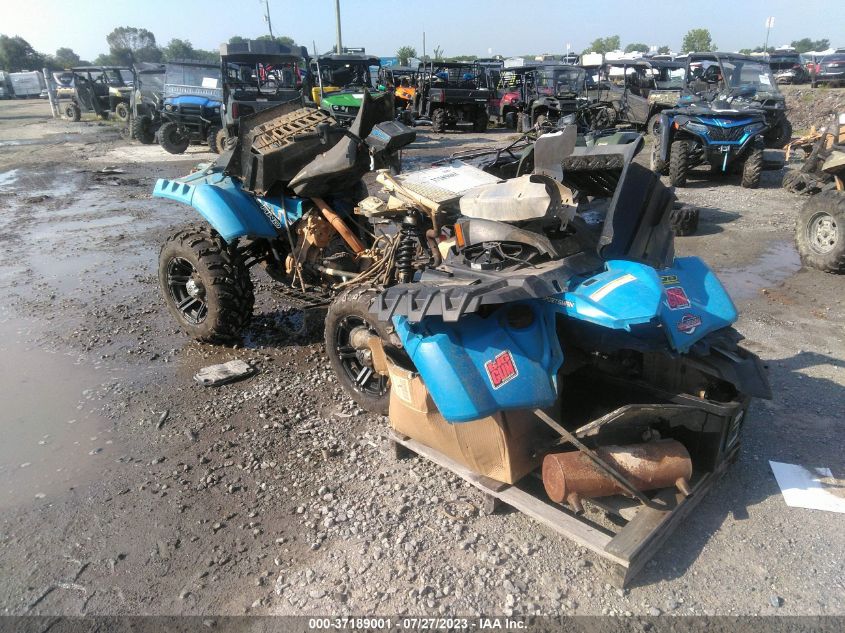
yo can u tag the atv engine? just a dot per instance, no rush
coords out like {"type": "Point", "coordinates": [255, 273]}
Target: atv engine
{"type": "Point", "coordinates": [320, 251]}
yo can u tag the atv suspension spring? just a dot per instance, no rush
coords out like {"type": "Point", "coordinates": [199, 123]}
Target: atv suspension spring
{"type": "Point", "coordinates": [409, 238]}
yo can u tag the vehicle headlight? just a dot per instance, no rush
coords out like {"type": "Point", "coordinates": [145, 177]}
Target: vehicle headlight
{"type": "Point", "coordinates": [698, 128]}
{"type": "Point", "coordinates": [169, 107]}
{"type": "Point", "coordinates": [335, 108]}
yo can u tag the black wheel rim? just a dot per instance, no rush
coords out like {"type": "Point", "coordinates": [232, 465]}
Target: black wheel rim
{"type": "Point", "coordinates": [822, 233]}
{"type": "Point", "coordinates": [354, 362]}
{"type": "Point", "coordinates": [187, 290]}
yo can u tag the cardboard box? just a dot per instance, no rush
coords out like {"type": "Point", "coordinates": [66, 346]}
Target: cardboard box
{"type": "Point", "coordinates": [500, 446]}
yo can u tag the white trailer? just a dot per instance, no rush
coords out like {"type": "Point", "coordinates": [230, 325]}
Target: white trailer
{"type": "Point", "coordinates": [27, 84]}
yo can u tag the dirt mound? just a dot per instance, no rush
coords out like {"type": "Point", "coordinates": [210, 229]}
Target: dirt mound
{"type": "Point", "coordinates": [807, 106]}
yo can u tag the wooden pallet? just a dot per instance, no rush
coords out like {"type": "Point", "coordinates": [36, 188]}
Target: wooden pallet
{"type": "Point", "coordinates": [626, 551]}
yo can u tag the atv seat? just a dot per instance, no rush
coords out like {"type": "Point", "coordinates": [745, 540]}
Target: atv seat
{"type": "Point", "coordinates": [532, 197]}
{"type": "Point", "coordinates": [343, 165]}
{"type": "Point", "coordinates": [637, 225]}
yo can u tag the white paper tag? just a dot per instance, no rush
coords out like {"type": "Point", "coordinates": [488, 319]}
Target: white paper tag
{"type": "Point", "coordinates": [402, 388]}
{"type": "Point", "coordinates": [209, 82]}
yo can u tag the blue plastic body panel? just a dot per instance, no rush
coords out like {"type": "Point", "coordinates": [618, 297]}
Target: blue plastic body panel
{"type": "Point", "coordinates": [204, 102]}
{"type": "Point", "coordinates": [452, 358]}
{"type": "Point", "coordinates": [454, 361]}
{"type": "Point", "coordinates": [229, 209]}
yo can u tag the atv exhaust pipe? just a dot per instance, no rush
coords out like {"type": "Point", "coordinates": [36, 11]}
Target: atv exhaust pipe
{"type": "Point", "coordinates": [340, 226]}
{"type": "Point", "coordinates": [569, 477]}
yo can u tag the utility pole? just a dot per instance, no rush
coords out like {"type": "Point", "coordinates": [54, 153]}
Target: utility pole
{"type": "Point", "coordinates": [267, 16]}
{"type": "Point", "coordinates": [770, 22]}
{"type": "Point", "coordinates": [339, 44]}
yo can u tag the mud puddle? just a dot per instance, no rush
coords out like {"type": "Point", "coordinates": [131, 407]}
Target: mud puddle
{"type": "Point", "coordinates": [52, 439]}
{"type": "Point", "coordinates": [777, 264]}
{"type": "Point", "coordinates": [52, 139]}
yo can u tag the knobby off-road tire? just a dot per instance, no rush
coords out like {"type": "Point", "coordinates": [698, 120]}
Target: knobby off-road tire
{"type": "Point", "coordinates": [652, 126]}
{"type": "Point", "coordinates": [205, 285]}
{"type": "Point", "coordinates": [752, 169]}
{"type": "Point", "coordinates": [657, 165]}
{"type": "Point", "coordinates": [121, 111]}
{"type": "Point", "coordinates": [353, 367]}
{"type": "Point", "coordinates": [223, 141]}
{"type": "Point", "coordinates": [679, 163]}
{"type": "Point", "coordinates": [73, 112]}
{"type": "Point", "coordinates": [438, 120]}
{"type": "Point", "coordinates": [211, 139]}
{"type": "Point", "coordinates": [141, 130]}
{"type": "Point", "coordinates": [684, 219]}
{"type": "Point", "coordinates": [172, 140]}
{"type": "Point", "coordinates": [480, 122]}
{"type": "Point", "coordinates": [778, 137]}
{"type": "Point", "coordinates": [820, 233]}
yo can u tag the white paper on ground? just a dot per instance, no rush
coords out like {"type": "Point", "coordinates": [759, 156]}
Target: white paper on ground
{"type": "Point", "coordinates": [812, 488]}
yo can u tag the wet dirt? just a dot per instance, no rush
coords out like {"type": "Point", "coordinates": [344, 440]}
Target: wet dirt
{"type": "Point", "coordinates": [777, 264]}
{"type": "Point", "coordinates": [49, 432]}
{"type": "Point", "coordinates": [276, 494]}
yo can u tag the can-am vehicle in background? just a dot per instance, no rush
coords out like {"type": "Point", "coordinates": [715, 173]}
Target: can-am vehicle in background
{"type": "Point", "coordinates": [641, 89]}
{"type": "Point", "coordinates": [452, 94]}
{"type": "Point", "coordinates": [712, 73]}
{"type": "Point", "coordinates": [146, 101]}
{"type": "Point", "coordinates": [191, 109]}
{"type": "Point", "coordinates": [257, 75]}
{"type": "Point", "coordinates": [340, 83]}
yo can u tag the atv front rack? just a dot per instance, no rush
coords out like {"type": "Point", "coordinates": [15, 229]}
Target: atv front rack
{"type": "Point", "coordinates": [451, 292]}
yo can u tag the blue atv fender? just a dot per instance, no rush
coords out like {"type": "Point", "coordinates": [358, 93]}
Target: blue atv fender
{"type": "Point", "coordinates": [686, 301]}
{"type": "Point", "coordinates": [231, 211]}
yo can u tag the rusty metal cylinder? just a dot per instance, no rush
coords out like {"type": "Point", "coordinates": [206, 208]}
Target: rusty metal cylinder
{"type": "Point", "coordinates": [569, 477]}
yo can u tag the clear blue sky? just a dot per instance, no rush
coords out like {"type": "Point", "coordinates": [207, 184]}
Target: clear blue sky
{"type": "Point", "coordinates": [458, 26]}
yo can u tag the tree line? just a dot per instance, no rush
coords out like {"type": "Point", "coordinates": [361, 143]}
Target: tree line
{"type": "Point", "coordinates": [126, 44]}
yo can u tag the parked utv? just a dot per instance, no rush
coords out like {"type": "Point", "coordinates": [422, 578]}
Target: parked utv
{"type": "Point", "coordinates": [342, 80]}
{"type": "Point", "coordinates": [191, 109]}
{"type": "Point", "coordinates": [452, 94]}
{"type": "Point", "coordinates": [508, 102]}
{"type": "Point", "coordinates": [101, 90]}
{"type": "Point", "coordinates": [402, 82]}
{"type": "Point", "coordinates": [712, 73]}
{"type": "Point", "coordinates": [258, 75]}
{"type": "Point", "coordinates": [820, 230]}
{"type": "Point", "coordinates": [641, 89]}
{"type": "Point", "coordinates": [555, 91]}
{"type": "Point", "coordinates": [146, 101]}
{"type": "Point", "coordinates": [726, 133]}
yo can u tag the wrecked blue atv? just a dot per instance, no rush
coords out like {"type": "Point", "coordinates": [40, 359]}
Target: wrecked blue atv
{"type": "Point", "coordinates": [283, 198]}
{"type": "Point", "coordinates": [580, 313]}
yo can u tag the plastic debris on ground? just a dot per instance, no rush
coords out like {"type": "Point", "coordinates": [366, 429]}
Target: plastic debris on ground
{"type": "Point", "coordinates": [223, 373]}
{"type": "Point", "coordinates": [809, 487]}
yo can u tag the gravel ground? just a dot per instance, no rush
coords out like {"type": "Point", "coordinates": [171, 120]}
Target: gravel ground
{"type": "Point", "coordinates": [128, 489]}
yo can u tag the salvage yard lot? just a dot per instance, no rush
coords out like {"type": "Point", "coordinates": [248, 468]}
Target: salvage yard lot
{"type": "Point", "coordinates": [127, 488]}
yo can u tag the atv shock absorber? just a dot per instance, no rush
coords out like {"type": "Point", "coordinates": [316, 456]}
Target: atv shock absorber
{"type": "Point", "coordinates": [409, 237]}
